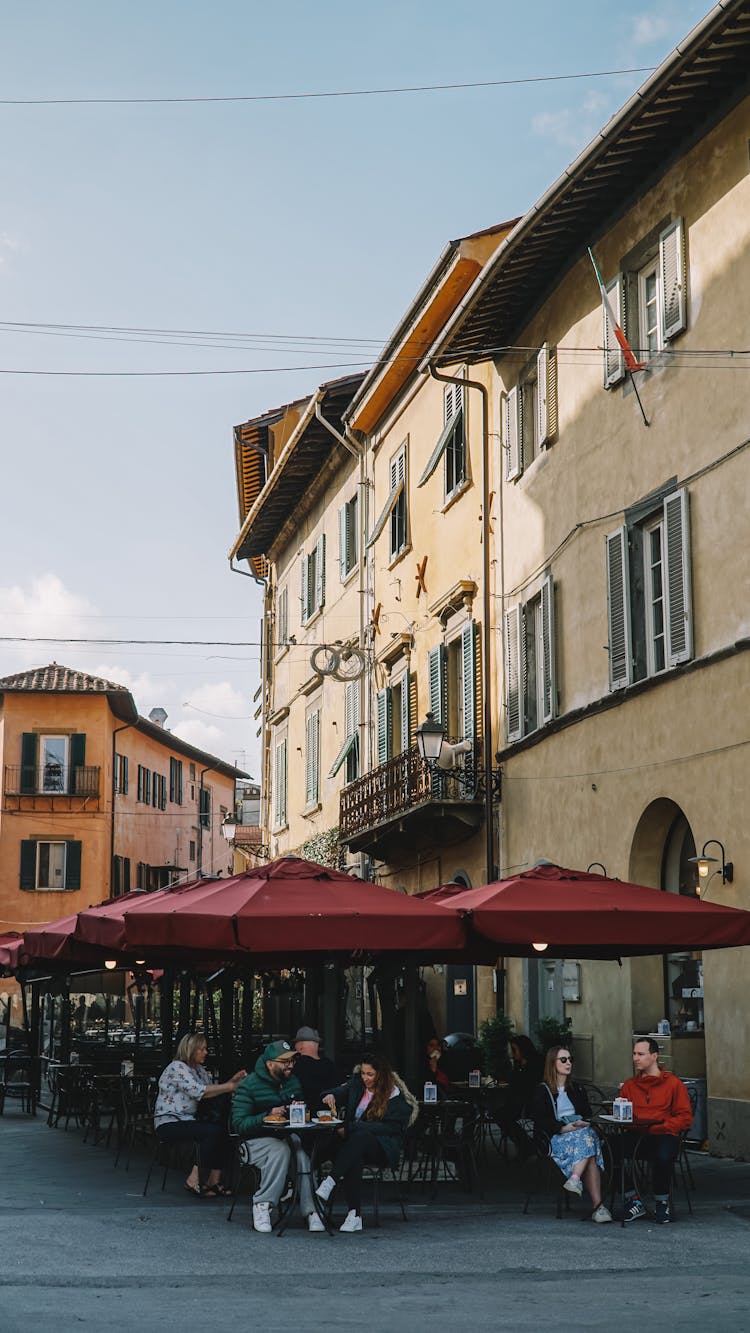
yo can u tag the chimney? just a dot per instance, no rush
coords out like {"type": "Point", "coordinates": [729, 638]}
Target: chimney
{"type": "Point", "coordinates": [158, 716]}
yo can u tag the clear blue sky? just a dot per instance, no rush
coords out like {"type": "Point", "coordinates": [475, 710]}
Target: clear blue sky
{"type": "Point", "coordinates": [292, 218]}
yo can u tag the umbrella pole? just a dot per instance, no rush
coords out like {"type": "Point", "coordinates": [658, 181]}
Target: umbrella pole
{"type": "Point", "coordinates": [227, 1053]}
{"type": "Point", "coordinates": [248, 990]}
{"type": "Point", "coordinates": [166, 1013]}
{"type": "Point", "coordinates": [411, 1027]}
{"type": "Point", "coordinates": [330, 1010]}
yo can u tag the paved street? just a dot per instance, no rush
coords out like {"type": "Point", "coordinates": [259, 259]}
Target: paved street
{"type": "Point", "coordinates": [83, 1248]}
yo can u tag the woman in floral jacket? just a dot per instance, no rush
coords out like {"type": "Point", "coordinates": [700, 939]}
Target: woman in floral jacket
{"type": "Point", "coordinates": [183, 1085]}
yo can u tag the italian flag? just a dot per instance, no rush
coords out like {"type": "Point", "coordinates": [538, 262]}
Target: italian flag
{"type": "Point", "coordinates": [630, 358]}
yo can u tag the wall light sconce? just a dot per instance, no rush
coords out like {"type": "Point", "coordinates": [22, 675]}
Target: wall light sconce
{"type": "Point", "coordinates": [704, 863]}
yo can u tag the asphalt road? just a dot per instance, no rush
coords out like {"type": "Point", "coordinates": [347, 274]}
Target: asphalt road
{"type": "Point", "coordinates": [83, 1249]}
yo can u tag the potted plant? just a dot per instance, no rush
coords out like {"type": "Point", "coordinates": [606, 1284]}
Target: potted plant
{"type": "Point", "coordinates": [494, 1036]}
{"type": "Point", "coordinates": [553, 1032]}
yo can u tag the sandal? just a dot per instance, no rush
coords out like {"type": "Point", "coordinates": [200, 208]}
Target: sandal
{"type": "Point", "coordinates": [223, 1191]}
{"type": "Point", "coordinates": [202, 1191]}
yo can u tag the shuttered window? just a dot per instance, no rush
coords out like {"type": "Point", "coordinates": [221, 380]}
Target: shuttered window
{"type": "Point", "coordinates": [348, 538]}
{"type": "Point", "coordinates": [436, 682]}
{"type": "Point", "coordinates": [312, 758]}
{"type": "Point", "coordinates": [280, 784]}
{"type": "Point", "coordinates": [384, 724]}
{"type": "Point", "coordinates": [175, 781]}
{"type": "Point", "coordinates": [314, 580]}
{"type": "Point", "coordinates": [349, 751]}
{"type": "Point", "coordinates": [530, 664]}
{"type": "Point", "coordinates": [50, 866]}
{"type": "Point", "coordinates": [204, 807]}
{"type": "Point", "coordinates": [649, 299]}
{"type": "Point", "coordinates": [672, 271]}
{"type": "Point", "coordinates": [282, 618]}
{"type": "Point", "coordinates": [614, 361]}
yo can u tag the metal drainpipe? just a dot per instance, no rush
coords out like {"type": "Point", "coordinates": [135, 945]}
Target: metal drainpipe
{"type": "Point", "coordinates": [486, 636]}
{"type": "Point", "coordinates": [115, 733]}
{"type": "Point", "coordinates": [358, 451]}
{"type": "Point", "coordinates": [265, 737]}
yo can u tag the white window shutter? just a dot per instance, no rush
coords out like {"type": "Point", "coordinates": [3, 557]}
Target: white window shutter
{"type": "Point", "coordinates": [678, 609]}
{"type": "Point", "coordinates": [352, 533]}
{"type": "Point", "coordinates": [614, 361]}
{"type": "Point", "coordinates": [468, 653]}
{"type": "Point", "coordinates": [448, 405]}
{"type": "Point", "coordinates": [436, 676]}
{"type": "Point", "coordinates": [513, 673]}
{"type": "Point", "coordinates": [309, 767]}
{"type": "Point", "coordinates": [320, 572]}
{"type": "Point", "coordinates": [343, 544]}
{"type": "Point", "coordinates": [351, 708]}
{"type": "Point", "coordinates": [672, 285]}
{"type": "Point", "coordinates": [305, 586]}
{"type": "Point", "coordinates": [542, 388]}
{"type": "Point", "coordinates": [549, 680]}
{"type": "Point", "coordinates": [618, 610]}
{"type": "Point", "coordinates": [384, 727]}
{"type": "Point", "coordinates": [512, 435]}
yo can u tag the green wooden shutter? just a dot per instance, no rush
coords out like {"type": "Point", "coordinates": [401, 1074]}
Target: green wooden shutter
{"type": "Point", "coordinates": [179, 782]}
{"type": "Point", "coordinates": [384, 725]}
{"type": "Point", "coordinates": [405, 711]}
{"type": "Point", "coordinates": [77, 760]}
{"type": "Point", "coordinates": [126, 874]}
{"type": "Point", "coordinates": [172, 778]}
{"type": "Point", "coordinates": [28, 864]}
{"type": "Point", "coordinates": [468, 653]}
{"type": "Point", "coordinates": [72, 865]}
{"type": "Point", "coordinates": [29, 752]}
{"type": "Point", "coordinates": [125, 775]}
{"type": "Point", "coordinates": [116, 876]}
{"type": "Point", "coordinates": [436, 670]}
{"type": "Point", "coordinates": [305, 586]}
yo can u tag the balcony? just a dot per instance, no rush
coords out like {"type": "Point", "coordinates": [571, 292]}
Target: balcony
{"type": "Point", "coordinates": [52, 783]}
{"type": "Point", "coordinates": [403, 807]}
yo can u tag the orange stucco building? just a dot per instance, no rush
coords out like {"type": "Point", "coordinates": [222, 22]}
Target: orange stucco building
{"type": "Point", "coordinates": [96, 800]}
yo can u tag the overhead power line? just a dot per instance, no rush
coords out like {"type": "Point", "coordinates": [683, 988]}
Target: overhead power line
{"type": "Point", "coordinates": [319, 96]}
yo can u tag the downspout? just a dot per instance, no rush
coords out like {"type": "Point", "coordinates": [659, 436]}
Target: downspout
{"type": "Point", "coordinates": [115, 733]}
{"type": "Point", "coordinates": [486, 634]}
{"type": "Point", "coordinates": [265, 739]}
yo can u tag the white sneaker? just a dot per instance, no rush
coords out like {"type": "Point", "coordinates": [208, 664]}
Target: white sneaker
{"type": "Point", "coordinates": [352, 1222]}
{"type": "Point", "coordinates": [315, 1223]}
{"type": "Point", "coordinates": [325, 1189]}
{"type": "Point", "coordinates": [601, 1214]}
{"type": "Point", "coordinates": [573, 1185]}
{"type": "Point", "coordinates": [262, 1217]}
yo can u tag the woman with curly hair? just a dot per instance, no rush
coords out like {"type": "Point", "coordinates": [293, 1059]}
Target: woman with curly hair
{"type": "Point", "coordinates": [377, 1110]}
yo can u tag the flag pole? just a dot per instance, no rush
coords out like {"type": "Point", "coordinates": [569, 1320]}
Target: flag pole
{"type": "Point", "coordinates": [631, 362]}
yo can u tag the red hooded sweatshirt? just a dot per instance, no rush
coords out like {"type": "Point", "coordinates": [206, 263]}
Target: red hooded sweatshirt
{"type": "Point", "coordinates": [660, 1103]}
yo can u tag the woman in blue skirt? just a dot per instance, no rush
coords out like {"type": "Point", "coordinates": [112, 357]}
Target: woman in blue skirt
{"type": "Point", "coordinates": [560, 1109]}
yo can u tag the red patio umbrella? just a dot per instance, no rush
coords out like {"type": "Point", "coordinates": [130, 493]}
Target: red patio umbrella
{"type": "Point", "coordinates": [10, 946]}
{"type": "Point", "coordinates": [60, 941]}
{"type": "Point", "coordinates": [574, 914]}
{"type": "Point", "coordinates": [289, 908]}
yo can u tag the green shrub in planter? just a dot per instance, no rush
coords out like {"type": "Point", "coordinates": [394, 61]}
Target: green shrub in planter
{"type": "Point", "coordinates": [553, 1032]}
{"type": "Point", "coordinates": [494, 1036]}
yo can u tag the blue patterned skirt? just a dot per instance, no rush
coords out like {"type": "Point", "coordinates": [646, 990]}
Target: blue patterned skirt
{"type": "Point", "coordinates": [567, 1149]}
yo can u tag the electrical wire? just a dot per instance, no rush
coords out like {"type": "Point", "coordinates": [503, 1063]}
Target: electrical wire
{"type": "Point", "coordinates": [318, 96]}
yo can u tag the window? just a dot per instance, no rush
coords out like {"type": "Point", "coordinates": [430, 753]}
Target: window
{"type": "Point", "coordinates": [314, 580]}
{"type": "Point", "coordinates": [453, 692]}
{"type": "Point", "coordinates": [530, 679]}
{"type": "Point", "coordinates": [395, 507]}
{"type": "Point", "coordinates": [159, 791]}
{"type": "Point", "coordinates": [396, 716]}
{"type": "Point", "coordinates": [451, 443]}
{"type": "Point", "coordinates": [191, 849]}
{"type": "Point", "coordinates": [648, 298]}
{"type": "Point", "coordinates": [312, 758]}
{"type": "Point", "coordinates": [349, 752]}
{"type": "Point", "coordinates": [529, 413]}
{"type": "Point", "coordinates": [53, 763]}
{"type": "Point", "coordinates": [50, 865]}
{"type": "Point", "coordinates": [204, 807]}
{"type": "Point", "coordinates": [279, 784]}
{"type": "Point", "coordinates": [120, 875]}
{"type": "Point", "coordinates": [121, 774]}
{"type": "Point", "coordinates": [648, 590]}
{"type": "Point", "coordinates": [192, 772]}
{"type": "Point", "coordinates": [348, 538]}
{"type": "Point", "coordinates": [144, 784]}
{"type": "Point", "coordinates": [175, 781]}
{"type": "Point", "coordinates": [282, 618]}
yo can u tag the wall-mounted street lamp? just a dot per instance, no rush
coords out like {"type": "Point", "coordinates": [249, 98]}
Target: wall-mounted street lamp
{"type": "Point", "coordinates": [704, 864]}
{"type": "Point", "coordinates": [441, 756]}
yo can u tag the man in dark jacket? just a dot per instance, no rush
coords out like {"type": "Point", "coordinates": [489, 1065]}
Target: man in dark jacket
{"type": "Point", "coordinates": [268, 1091]}
{"type": "Point", "coordinates": [315, 1072]}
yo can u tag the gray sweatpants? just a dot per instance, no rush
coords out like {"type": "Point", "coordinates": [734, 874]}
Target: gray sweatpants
{"type": "Point", "coordinates": [272, 1158]}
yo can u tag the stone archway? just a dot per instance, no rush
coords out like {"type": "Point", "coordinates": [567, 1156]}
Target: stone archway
{"type": "Point", "coordinates": [649, 840]}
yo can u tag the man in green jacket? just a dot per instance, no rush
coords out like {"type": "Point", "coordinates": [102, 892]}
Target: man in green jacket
{"type": "Point", "coordinates": [268, 1091]}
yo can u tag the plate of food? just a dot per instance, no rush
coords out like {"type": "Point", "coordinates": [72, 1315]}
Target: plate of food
{"type": "Point", "coordinates": [275, 1120]}
{"type": "Point", "coordinates": [327, 1120]}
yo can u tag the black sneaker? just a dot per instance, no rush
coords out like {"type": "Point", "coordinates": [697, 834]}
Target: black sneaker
{"type": "Point", "coordinates": [634, 1211]}
{"type": "Point", "coordinates": [662, 1211]}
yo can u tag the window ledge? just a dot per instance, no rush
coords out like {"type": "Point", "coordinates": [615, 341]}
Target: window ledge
{"type": "Point", "coordinates": [396, 560]}
{"type": "Point", "coordinates": [280, 828]}
{"type": "Point", "coordinates": [465, 486]}
{"type": "Point", "coordinates": [348, 577]}
{"type": "Point", "coordinates": [315, 616]}
{"type": "Point", "coordinates": [311, 810]}
{"type": "Point", "coordinates": [281, 653]}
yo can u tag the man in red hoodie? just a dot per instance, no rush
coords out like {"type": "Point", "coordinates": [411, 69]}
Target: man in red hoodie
{"type": "Point", "coordinates": [661, 1111]}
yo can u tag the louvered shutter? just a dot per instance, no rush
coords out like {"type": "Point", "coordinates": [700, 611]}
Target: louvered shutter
{"type": "Point", "coordinates": [312, 757]}
{"type": "Point", "coordinates": [618, 610]}
{"type": "Point", "coordinates": [413, 709]}
{"type": "Point", "coordinates": [305, 586]}
{"type": "Point", "coordinates": [77, 760]}
{"type": "Point", "coordinates": [614, 361]}
{"type": "Point", "coordinates": [548, 708]}
{"type": "Point", "coordinates": [352, 533]}
{"type": "Point", "coordinates": [452, 404]}
{"type": "Point", "coordinates": [126, 776]}
{"type": "Point", "coordinates": [542, 389]}
{"type": "Point", "coordinates": [513, 673]}
{"type": "Point", "coordinates": [280, 784]}
{"type": "Point", "coordinates": [512, 434]}
{"type": "Point", "coordinates": [468, 652]}
{"type": "Point", "coordinates": [436, 670]}
{"type": "Point", "coordinates": [384, 727]}
{"type": "Point", "coordinates": [29, 751]}
{"type": "Point", "coordinates": [320, 572]}
{"type": "Point", "coordinates": [678, 609]}
{"type": "Point", "coordinates": [672, 286]}
{"type": "Point", "coordinates": [28, 865]}
{"type": "Point", "coordinates": [351, 726]}
{"type": "Point", "coordinates": [343, 544]}
{"type": "Point", "coordinates": [72, 865]}
{"type": "Point", "coordinates": [405, 711]}
{"type": "Point", "coordinates": [126, 874]}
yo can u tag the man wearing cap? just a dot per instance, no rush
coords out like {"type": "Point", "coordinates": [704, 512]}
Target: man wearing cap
{"type": "Point", "coordinates": [316, 1072]}
{"type": "Point", "coordinates": [269, 1090]}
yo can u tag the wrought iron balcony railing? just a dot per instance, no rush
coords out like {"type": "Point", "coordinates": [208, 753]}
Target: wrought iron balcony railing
{"type": "Point", "coordinates": [52, 780]}
{"type": "Point", "coordinates": [400, 785]}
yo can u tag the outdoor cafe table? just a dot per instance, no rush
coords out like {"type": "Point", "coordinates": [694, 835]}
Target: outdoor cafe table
{"type": "Point", "coordinates": [613, 1129]}
{"type": "Point", "coordinates": [311, 1135]}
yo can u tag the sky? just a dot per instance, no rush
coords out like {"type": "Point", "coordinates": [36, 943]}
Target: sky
{"type": "Point", "coordinates": [306, 226]}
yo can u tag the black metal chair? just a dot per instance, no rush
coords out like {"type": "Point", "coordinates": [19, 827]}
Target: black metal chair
{"type": "Point", "coordinates": [17, 1079]}
{"type": "Point", "coordinates": [70, 1091]}
{"type": "Point", "coordinates": [138, 1093]}
{"type": "Point", "coordinates": [554, 1178]}
{"type": "Point", "coordinates": [104, 1109]}
{"type": "Point", "coordinates": [378, 1175]}
{"type": "Point", "coordinates": [170, 1155]}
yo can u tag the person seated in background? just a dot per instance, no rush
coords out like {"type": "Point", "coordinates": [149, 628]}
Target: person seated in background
{"type": "Point", "coordinates": [432, 1071]}
{"type": "Point", "coordinates": [268, 1091]}
{"type": "Point", "coordinates": [661, 1112]}
{"type": "Point", "coordinates": [560, 1109]}
{"type": "Point", "coordinates": [315, 1072]}
{"type": "Point", "coordinates": [526, 1074]}
{"type": "Point", "coordinates": [378, 1108]}
{"type": "Point", "coordinates": [183, 1085]}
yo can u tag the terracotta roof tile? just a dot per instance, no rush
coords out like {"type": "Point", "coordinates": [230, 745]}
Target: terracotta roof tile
{"type": "Point", "coordinates": [54, 678]}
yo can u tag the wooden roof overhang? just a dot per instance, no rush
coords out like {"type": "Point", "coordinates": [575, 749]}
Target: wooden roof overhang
{"type": "Point", "coordinates": [695, 86]}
